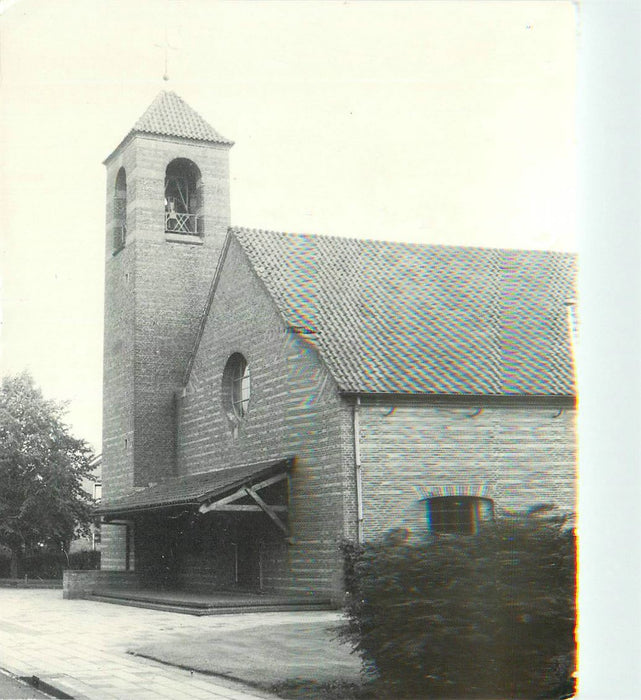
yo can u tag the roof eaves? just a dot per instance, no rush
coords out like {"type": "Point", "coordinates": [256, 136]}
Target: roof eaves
{"type": "Point", "coordinates": [220, 141]}
{"type": "Point", "coordinates": [157, 135]}
{"type": "Point", "coordinates": [199, 497]}
{"type": "Point", "coordinates": [434, 397]}
{"type": "Point", "coordinates": [136, 508]}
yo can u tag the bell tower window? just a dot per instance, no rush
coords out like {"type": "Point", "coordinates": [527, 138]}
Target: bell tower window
{"type": "Point", "coordinates": [183, 198]}
{"type": "Point", "coordinates": [120, 211]}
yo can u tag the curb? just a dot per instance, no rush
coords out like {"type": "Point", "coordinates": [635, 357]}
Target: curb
{"type": "Point", "coordinates": [46, 687]}
{"type": "Point", "coordinates": [36, 683]}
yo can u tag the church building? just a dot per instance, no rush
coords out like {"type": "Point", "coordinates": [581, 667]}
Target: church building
{"type": "Point", "coordinates": [269, 396]}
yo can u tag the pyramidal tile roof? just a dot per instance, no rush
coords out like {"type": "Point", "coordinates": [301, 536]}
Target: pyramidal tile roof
{"type": "Point", "coordinates": [403, 318]}
{"type": "Point", "coordinates": [170, 115]}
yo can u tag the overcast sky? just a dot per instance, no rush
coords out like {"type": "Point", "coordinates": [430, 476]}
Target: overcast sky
{"type": "Point", "coordinates": [446, 122]}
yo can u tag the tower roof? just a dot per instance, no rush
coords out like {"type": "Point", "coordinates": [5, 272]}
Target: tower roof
{"type": "Point", "coordinates": [170, 115]}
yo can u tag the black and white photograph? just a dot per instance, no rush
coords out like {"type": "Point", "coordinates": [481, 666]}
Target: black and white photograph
{"type": "Point", "coordinates": [293, 356]}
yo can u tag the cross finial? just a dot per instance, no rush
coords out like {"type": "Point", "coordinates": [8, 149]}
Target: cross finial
{"type": "Point", "coordinates": [166, 46]}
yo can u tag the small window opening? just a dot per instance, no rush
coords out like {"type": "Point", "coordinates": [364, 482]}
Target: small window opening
{"type": "Point", "coordinates": [236, 386]}
{"type": "Point", "coordinates": [120, 211]}
{"type": "Point", "coordinates": [458, 515]}
{"type": "Point", "coordinates": [183, 198]}
{"type": "Point", "coordinates": [240, 388]}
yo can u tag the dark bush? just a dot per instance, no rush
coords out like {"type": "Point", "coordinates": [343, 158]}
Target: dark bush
{"type": "Point", "coordinates": [484, 616]}
{"type": "Point", "coordinates": [50, 565]}
{"type": "Point", "coordinates": [5, 564]}
{"type": "Point", "coordinates": [83, 560]}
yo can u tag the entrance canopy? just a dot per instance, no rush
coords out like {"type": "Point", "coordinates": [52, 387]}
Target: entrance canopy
{"type": "Point", "coordinates": [229, 489]}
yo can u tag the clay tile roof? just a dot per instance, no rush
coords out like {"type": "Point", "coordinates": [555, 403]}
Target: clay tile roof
{"type": "Point", "coordinates": [170, 115]}
{"type": "Point", "coordinates": [192, 489]}
{"type": "Point", "coordinates": [402, 318]}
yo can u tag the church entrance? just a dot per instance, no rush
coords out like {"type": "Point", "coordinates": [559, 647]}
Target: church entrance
{"type": "Point", "coordinates": [248, 573]}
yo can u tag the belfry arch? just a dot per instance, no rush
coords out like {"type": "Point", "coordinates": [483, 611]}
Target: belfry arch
{"type": "Point", "coordinates": [183, 198]}
{"type": "Point", "coordinates": [120, 210]}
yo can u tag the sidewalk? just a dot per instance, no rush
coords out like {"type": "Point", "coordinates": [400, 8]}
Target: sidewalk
{"type": "Point", "coordinates": [79, 647]}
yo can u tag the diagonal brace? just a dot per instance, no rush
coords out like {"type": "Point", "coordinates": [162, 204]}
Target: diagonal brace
{"type": "Point", "coordinates": [268, 510]}
{"type": "Point", "coordinates": [240, 493]}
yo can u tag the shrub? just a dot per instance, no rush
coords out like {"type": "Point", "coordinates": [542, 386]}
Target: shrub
{"type": "Point", "coordinates": [490, 615]}
{"type": "Point", "coordinates": [50, 564]}
{"type": "Point", "coordinates": [5, 563]}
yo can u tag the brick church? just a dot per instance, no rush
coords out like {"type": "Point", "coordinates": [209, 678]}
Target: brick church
{"type": "Point", "coordinates": [268, 396]}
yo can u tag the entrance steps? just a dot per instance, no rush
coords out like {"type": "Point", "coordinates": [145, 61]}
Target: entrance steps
{"type": "Point", "coordinates": [218, 603]}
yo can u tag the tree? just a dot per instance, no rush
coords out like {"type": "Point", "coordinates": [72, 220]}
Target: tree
{"type": "Point", "coordinates": [42, 502]}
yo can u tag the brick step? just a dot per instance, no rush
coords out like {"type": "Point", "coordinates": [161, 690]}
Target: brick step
{"type": "Point", "coordinates": [201, 609]}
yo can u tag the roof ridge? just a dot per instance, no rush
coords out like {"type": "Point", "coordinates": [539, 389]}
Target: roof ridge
{"type": "Point", "coordinates": [401, 244]}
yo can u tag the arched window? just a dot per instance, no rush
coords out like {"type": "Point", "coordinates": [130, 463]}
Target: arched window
{"type": "Point", "coordinates": [183, 198]}
{"type": "Point", "coordinates": [458, 515]}
{"type": "Point", "coordinates": [236, 386]}
{"type": "Point", "coordinates": [120, 210]}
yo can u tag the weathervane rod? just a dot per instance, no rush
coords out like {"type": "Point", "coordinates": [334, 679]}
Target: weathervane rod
{"type": "Point", "coordinates": [166, 46]}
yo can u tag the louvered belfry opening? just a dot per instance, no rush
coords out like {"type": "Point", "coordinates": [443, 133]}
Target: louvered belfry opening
{"type": "Point", "coordinates": [183, 198]}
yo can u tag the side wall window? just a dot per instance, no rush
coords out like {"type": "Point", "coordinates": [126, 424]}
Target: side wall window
{"type": "Point", "coordinates": [458, 515]}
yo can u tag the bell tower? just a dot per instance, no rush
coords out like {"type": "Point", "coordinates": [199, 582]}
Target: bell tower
{"type": "Point", "coordinates": [167, 217]}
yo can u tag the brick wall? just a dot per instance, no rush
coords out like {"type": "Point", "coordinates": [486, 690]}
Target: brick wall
{"type": "Point", "coordinates": [172, 281]}
{"type": "Point", "coordinates": [294, 410]}
{"type": "Point", "coordinates": [520, 454]}
{"type": "Point", "coordinates": [118, 375]}
{"type": "Point", "coordinates": [156, 287]}
{"type": "Point", "coordinates": [114, 545]}
{"type": "Point", "coordinates": [79, 584]}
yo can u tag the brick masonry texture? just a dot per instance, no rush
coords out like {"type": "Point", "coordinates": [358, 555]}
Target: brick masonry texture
{"type": "Point", "coordinates": [154, 295]}
{"type": "Point", "coordinates": [77, 584]}
{"type": "Point", "coordinates": [118, 374]}
{"type": "Point", "coordinates": [294, 410]}
{"type": "Point", "coordinates": [519, 455]}
{"type": "Point", "coordinates": [113, 548]}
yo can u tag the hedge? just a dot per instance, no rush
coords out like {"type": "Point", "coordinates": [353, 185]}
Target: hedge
{"type": "Point", "coordinates": [484, 616]}
{"type": "Point", "coordinates": [50, 565]}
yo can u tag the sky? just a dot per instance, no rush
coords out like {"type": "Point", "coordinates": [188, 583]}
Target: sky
{"type": "Point", "coordinates": [435, 122]}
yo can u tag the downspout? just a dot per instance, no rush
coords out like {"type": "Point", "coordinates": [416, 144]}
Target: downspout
{"type": "Point", "coordinates": [359, 472]}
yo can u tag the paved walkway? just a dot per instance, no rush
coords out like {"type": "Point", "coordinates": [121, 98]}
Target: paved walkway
{"type": "Point", "coordinates": [80, 647]}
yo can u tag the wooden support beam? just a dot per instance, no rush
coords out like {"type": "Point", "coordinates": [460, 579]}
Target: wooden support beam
{"type": "Point", "coordinates": [241, 493]}
{"type": "Point", "coordinates": [240, 508]}
{"type": "Point", "coordinates": [268, 510]}
{"type": "Point", "coordinates": [269, 482]}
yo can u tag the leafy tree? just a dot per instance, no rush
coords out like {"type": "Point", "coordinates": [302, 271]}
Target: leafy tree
{"type": "Point", "coordinates": [42, 502]}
